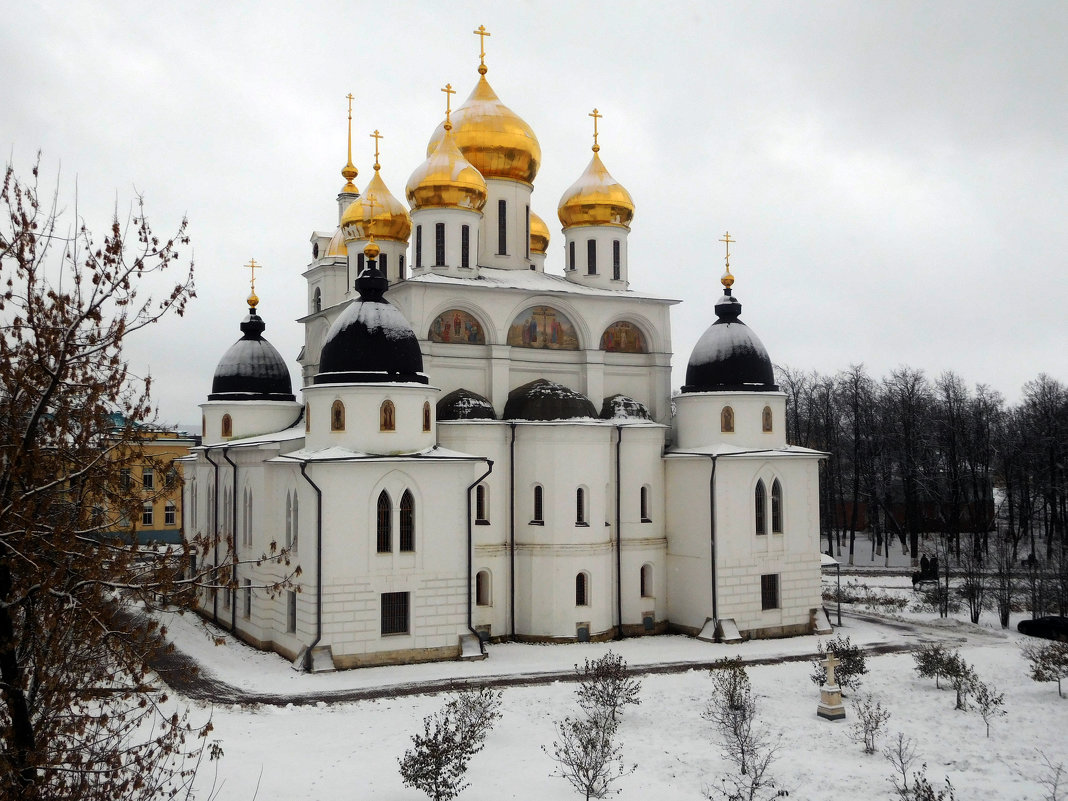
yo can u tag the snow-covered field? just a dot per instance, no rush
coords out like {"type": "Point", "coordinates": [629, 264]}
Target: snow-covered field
{"type": "Point", "coordinates": [350, 750]}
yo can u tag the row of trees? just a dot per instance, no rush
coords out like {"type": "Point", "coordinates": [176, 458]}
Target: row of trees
{"type": "Point", "coordinates": [910, 456]}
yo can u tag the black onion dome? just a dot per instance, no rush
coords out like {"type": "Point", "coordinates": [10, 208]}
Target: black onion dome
{"type": "Point", "coordinates": [545, 400]}
{"type": "Point", "coordinates": [463, 404]}
{"type": "Point", "coordinates": [371, 341]}
{"type": "Point", "coordinates": [252, 369]}
{"type": "Point", "coordinates": [621, 406]}
{"type": "Point", "coordinates": [729, 356]}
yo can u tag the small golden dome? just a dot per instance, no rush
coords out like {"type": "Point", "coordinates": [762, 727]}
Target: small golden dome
{"type": "Point", "coordinates": [539, 234]}
{"type": "Point", "coordinates": [390, 221]}
{"type": "Point", "coordinates": [727, 280]}
{"type": "Point", "coordinates": [337, 244]}
{"type": "Point", "coordinates": [371, 250]}
{"type": "Point", "coordinates": [492, 137]}
{"type": "Point", "coordinates": [596, 198]}
{"type": "Point", "coordinates": [446, 180]}
{"type": "Point", "coordinates": [253, 300]}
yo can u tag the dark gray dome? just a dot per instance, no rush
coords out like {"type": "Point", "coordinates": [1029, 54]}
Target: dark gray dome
{"type": "Point", "coordinates": [729, 356]}
{"type": "Point", "coordinates": [252, 369]}
{"type": "Point", "coordinates": [545, 400]}
{"type": "Point", "coordinates": [621, 406]}
{"type": "Point", "coordinates": [371, 341]}
{"type": "Point", "coordinates": [463, 404]}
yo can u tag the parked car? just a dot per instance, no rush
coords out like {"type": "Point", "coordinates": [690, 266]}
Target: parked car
{"type": "Point", "coordinates": [1053, 627]}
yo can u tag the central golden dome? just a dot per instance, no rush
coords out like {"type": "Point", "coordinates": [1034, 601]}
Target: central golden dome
{"type": "Point", "coordinates": [539, 234]}
{"type": "Point", "coordinates": [390, 220]}
{"type": "Point", "coordinates": [497, 142]}
{"type": "Point", "coordinates": [446, 180]}
{"type": "Point", "coordinates": [596, 198]}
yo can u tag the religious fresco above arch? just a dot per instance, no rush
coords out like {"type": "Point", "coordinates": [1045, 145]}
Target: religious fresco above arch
{"type": "Point", "coordinates": [623, 337]}
{"type": "Point", "coordinates": [543, 327]}
{"type": "Point", "coordinates": [457, 326]}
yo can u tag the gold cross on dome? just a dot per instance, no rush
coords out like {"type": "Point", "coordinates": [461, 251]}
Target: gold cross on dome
{"type": "Point", "coordinates": [596, 116]}
{"type": "Point", "coordinates": [449, 92]}
{"type": "Point", "coordinates": [376, 136]}
{"type": "Point", "coordinates": [351, 98]}
{"type": "Point", "coordinates": [253, 267]}
{"type": "Point", "coordinates": [371, 198]}
{"type": "Point", "coordinates": [481, 33]}
{"type": "Point", "coordinates": [727, 240]}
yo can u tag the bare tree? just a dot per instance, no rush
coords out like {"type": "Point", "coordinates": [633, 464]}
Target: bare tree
{"type": "Point", "coordinates": [901, 753]}
{"type": "Point", "coordinates": [989, 703]}
{"type": "Point", "coordinates": [587, 755]}
{"type": "Point", "coordinates": [870, 719]}
{"type": "Point", "coordinates": [1049, 662]}
{"type": "Point", "coordinates": [81, 715]}
{"type": "Point", "coordinates": [605, 686]}
{"type": "Point", "coordinates": [1052, 779]}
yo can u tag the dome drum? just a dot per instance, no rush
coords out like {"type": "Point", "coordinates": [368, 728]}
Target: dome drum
{"type": "Point", "coordinates": [379, 419]}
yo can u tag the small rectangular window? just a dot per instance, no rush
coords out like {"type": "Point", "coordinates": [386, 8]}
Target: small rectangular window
{"type": "Point", "coordinates": [439, 244]}
{"type": "Point", "coordinates": [591, 257]}
{"type": "Point", "coordinates": [465, 245]}
{"type": "Point", "coordinates": [418, 246]}
{"type": "Point", "coordinates": [291, 612]}
{"type": "Point", "coordinates": [769, 591]}
{"type": "Point", "coordinates": [394, 613]}
{"type": "Point", "coordinates": [502, 227]}
{"type": "Point", "coordinates": [148, 478]}
{"type": "Point", "coordinates": [528, 232]}
{"type": "Point", "coordinates": [571, 255]}
{"type": "Point", "coordinates": [170, 515]}
{"type": "Point", "coordinates": [615, 260]}
{"type": "Point", "coordinates": [248, 598]}
{"type": "Point", "coordinates": [146, 514]}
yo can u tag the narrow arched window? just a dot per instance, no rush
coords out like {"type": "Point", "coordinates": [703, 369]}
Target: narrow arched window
{"type": "Point", "coordinates": [465, 245]}
{"type": "Point", "coordinates": [571, 255]}
{"type": "Point", "coordinates": [616, 271]}
{"type": "Point", "coordinates": [481, 505]}
{"type": "Point", "coordinates": [647, 581]}
{"type": "Point", "coordinates": [400, 268]}
{"type": "Point", "coordinates": [407, 522]}
{"type": "Point", "coordinates": [482, 588]}
{"type": "Point", "coordinates": [203, 426]}
{"type": "Point", "coordinates": [776, 507]}
{"type": "Point", "coordinates": [296, 520]}
{"type": "Point", "coordinates": [580, 507]}
{"type": "Point", "coordinates": [387, 416]}
{"type": "Point", "coordinates": [246, 530]}
{"type": "Point", "coordinates": [765, 418]}
{"type": "Point", "coordinates": [760, 501]}
{"type": "Point", "coordinates": [645, 505]}
{"type": "Point", "coordinates": [582, 590]}
{"type": "Point", "coordinates": [538, 505]}
{"type": "Point", "coordinates": [317, 300]}
{"type": "Point", "coordinates": [289, 520]}
{"type": "Point", "coordinates": [726, 420]}
{"type": "Point", "coordinates": [385, 523]}
{"type": "Point", "coordinates": [307, 417]}
{"type": "Point", "coordinates": [426, 415]}
{"type": "Point", "coordinates": [383, 263]}
{"type": "Point", "coordinates": [418, 246]}
{"type": "Point", "coordinates": [591, 257]}
{"type": "Point", "coordinates": [337, 416]}
{"type": "Point", "coordinates": [227, 426]}
{"type": "Point", "coordinates": [502, 227]}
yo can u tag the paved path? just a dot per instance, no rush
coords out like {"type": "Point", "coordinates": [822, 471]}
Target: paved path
{"type": "Point", "coordinates": [181, 673]}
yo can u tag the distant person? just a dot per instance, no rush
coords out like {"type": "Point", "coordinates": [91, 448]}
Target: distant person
{"type": "Point", "coordinates": [925, 566]}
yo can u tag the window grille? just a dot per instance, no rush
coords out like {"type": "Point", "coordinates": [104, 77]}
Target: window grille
{"type": "Point", "coordinates": [394, 613]}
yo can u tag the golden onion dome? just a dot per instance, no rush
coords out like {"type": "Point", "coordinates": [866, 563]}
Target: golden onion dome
{"type": "Point", "coordinates": [446, 180]}
{"type": "Point", "coordinates": [492, 137]}
{"type": "Point", "coordinates": [539, 234]}
{"type": "Point", "coordinates": [337, 244]}
{"type": "Point", "coordinates": [596, 198]}
{"type": "Point", "coordinates": [390, 220]}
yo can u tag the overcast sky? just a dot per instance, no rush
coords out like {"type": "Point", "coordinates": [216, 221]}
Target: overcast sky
{"type": "Point", "coordinates": [895, 174]}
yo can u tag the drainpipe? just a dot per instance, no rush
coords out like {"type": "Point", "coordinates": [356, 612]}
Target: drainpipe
{"type": "Point", "coordinates": [214, 536]}
{"type": "Point", "coordinates": [470, 555]}
{"type": "Point", "coordinates": [712, 534]}
{"type": "Point", "coordinates": [233, 545]}
{"type": "Point", "coordinates": [619, 534]}
{"type": "Point", "coordinates": [511, 533]}
{"type": "Point", "coordinates": [318, 565]}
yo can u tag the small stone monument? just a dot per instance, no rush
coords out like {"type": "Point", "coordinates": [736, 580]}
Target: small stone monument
{"type": "Point", "coordinates": [831, 706]}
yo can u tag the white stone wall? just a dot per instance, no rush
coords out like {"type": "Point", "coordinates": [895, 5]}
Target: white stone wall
{"type": "Point", "coordinates": [248, 418]}
{"type": "Point", "coordinates": [604, 236]}
{"type": "Point", "coordinates": [362, 404]}
{"type": "Point", "coordinates": [454, 220]}
{"type": "Point", "coordinates": [698, 419]}
{"type": "Point", "coordinates": [517, 197]}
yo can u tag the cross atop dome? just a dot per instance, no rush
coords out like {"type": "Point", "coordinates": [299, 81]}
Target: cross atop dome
{"type": "Point", "coordinates": [376, 136]}
{"type": "Point", "coordinates": [349, 171]}
{"type": "Point", "coordinates": [253, 301]}
{"type": "Point", "coordinates": [482, 33]}
{"type": "Point", "coordinates": [596, 116]}
{"type": "Point", "coordinates": [449, 92]}
{"type": "Point", "coordinates": [728, 279]}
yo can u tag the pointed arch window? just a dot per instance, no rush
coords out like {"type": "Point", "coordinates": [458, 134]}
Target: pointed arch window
{"type": "Point", "coordinates": [426, 415]}
{"type": "Point", "coordinates": [760, 504]}
{"type": "Point", "coordinates": [387, 416]}
{"type": "Point", "coordinates": [296, 520]}
{"type": "Point", "coordinates": [385, 523]}
{"type": "Point", "coordinates": [227, 426]}
{"type": "Point", "coordinates": [776, 507]}
{"type": "Point", "coordinates": [582, 590]}
{"type": "Point", "coordinates": [337, 416]}
{"type": "Point", "coordinates": [726, 420]}
{"type": "Point", "coordinates": [765, 419]}
{"type": "Point", "coordinates": [407, 522]}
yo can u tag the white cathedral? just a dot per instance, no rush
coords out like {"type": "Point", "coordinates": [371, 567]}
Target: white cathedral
{"type": "Point", "coordinates": [487, 451]}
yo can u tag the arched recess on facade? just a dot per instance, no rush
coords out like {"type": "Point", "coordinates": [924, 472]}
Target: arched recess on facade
{"type": "Point", "coordinates": [645, 329]}
{"type": "Point", "coordinates": [441, 314]}
{"type": "Point", "coordinates": [583, 334]}
{"type": "Point", "coordinates": [395, 483]}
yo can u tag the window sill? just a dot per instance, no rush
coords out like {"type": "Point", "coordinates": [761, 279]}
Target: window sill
{"type": "Point", "coordinates": [536, 523]}
{"type": "Point", "coordinates": [395, 634]}
{"type": "Point", "coordinates": [482, 522]}
{"type": "Point", "coordinates": [646, 520]}
{"type": "Point", "coordinates": [579, 524]}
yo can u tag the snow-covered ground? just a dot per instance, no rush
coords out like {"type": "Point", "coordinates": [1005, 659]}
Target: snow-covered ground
{"type": "Point", "coordinates": [350, 750]}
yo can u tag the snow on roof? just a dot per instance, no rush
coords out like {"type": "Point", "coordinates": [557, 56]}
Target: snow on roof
{"type": "Point", "coordinates": [340, 454]}
{"type": "Point", "coordinates": [731, 450]}
{"type": "Point", "coordinates": [530, 280]}
{"type": "Point", "coordinates": [721, 340]}
{"type": "Point", "coordinates": [286, 435]}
